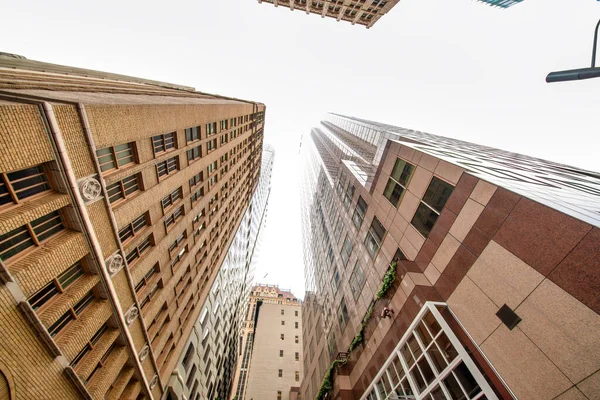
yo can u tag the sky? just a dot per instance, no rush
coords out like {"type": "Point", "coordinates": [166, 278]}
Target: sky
{"type": "Point", "coordinates": [456, 68]}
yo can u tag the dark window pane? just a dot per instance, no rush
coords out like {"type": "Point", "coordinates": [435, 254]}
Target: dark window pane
{"type": "Point", "coordinates": [402, 172]}
{"type": "Point", "coordinates": [466, 379]}
{"type": "Point", "coordinates": [437, 194]}
{"type": "Point", "coordinates": [393, 192]}
{"type": "Point", "coordinates": [424, 219]}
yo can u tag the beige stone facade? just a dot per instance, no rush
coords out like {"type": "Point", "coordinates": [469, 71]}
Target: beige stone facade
{"type": "Point", "coordinates": [361, 12]}
{"type": "Point", "coordinates": [271, 362]}
{"type": "Point", "coordinates": [119, 198]}
{"type": "Point", "coordinates": [507, 267]}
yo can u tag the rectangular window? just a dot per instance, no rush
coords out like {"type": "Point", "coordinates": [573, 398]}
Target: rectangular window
{"type": "Point", "coordinates": [295, 313]}
{"type": "Point", "coordinates": [297, 376]}
{"type": "Point", "coordinates": [280, 353]}
{"type": "Point", "coordinates": [357, 281]}
{"type": "Point", "coordinates": [335, 282]}
{"type": "Point", "coordinates": [197, 195]}
{"type": "Point", "coordinates": [71, 314]}
{"type": "Point", "coordinates": [211, 145]}
{"type": "Point", "coordinates": [19, 185]}
{"type": "Point", "coordinates": [31, 234]}
{"type": "Point", "coordinates": [115, 157]}
{"type": "Point", "coordinates": [359, 212]}
{"type": "Point", "coordinates": [297, 356]}
{"type": "Point", "coordinates": [147, 278]}
{"type": "Point", "coordinates": [130, 230]}
{"type": "Point", "coordinates": [176, 243]}
{"type": "Point", "coordinates": [90, 345]}
{"type": "Point", "coordinates": [346, 250]}
{"type": "Point", "coordinates": [139, 250]}
{"type": "Point", "coordinates": [348, 195]}
{"type": "Point", "coordinates": [194, 154]}
{"type": "Point", "coordinates": [196, 179]}
{"type": "Point", "coordinates": [211, 128]}
{"type": "Point", "coordinates": [282, 336]}
{"type": "Point", "coordinates": [282, 312]}
{"type": "Point", "coordinates": [179, 257]}
{"type": "Point", "coordinates": [211, 167]}
{"type": "Point", "coordinates": [173, 218]}
{"type": "Point", "coordinates": [56, 286]}
{"type": "Point", "coordinates": [278, 395]}
{"type": "Point", "coordinates": [342, 314]}
{"type": "Point", "coordinates": [431, 205]}
{"type": "Point", "coordinates": [398, 181]}
{"type": "Point", "coordinates": [167, 167]}
{"type": "Point", "coordinates": [282, 322]}
{"type": "Point", "coordinates": [374, 237]}
{"type": "Point", "coordinates": [163, 143]}
{"type": "Point", "coordinates": [123, 189]}
{"type": "Point", "coordinates": [171, 199]}
{"type": "Point", "coordinates": [296, 325]}
{"type": "Point", "coordinates": [296, 339]}
{"type": "Point", "coordinates": [192, 134]}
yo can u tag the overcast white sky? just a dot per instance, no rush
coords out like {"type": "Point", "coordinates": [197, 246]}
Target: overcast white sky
{"type": "Point", "coordinates": [452, 67]}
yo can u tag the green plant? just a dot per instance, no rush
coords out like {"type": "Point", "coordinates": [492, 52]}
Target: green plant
{"type": "Point", "coordinates": [388, 280]}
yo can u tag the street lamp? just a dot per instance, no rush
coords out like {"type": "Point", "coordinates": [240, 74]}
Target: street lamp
{"type": "Point", "coordinates": [581, 73]}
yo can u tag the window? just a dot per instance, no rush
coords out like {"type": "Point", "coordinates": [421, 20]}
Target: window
{"type": "Point", "coordinates": [278, 395]}
{"type": "Point", "coordinates": [192, 134]}
{"type": "Point", "coordinates": [197, 195]}
{"type": "Point", "coordinates": [115, 157]}
{"type": "Point", "coordinates": [335, 282]}
{"type": "Point", "coordinates": [398, 181]}
{"type": "Point", "coordinates": [147, 278]}
{"type": "Point", "coordinates": [18, 185]}
{"type": "Point", "coordinates": [282, 312]}
{"type": "Point", "coordinates": [359, 212]}
{"type": "Point", "coordinates": [167, 167]}
{"type": "Point", "coordinates": [280, 374]}
{"type": "Point", "coordinates": [176, 243]}
{"type": "Point", "coordinates": [211, 128]}
{"type": "Point", "coordinates": [282, 336]}
{"type": "Point", "coordinates": [224, 124]}
{"type": "Point", "coordinates": [187, 358]}
{"type": "Point", "coordinates": [171, 199]}
{"type": "Point", "coordinates": [296, 324]}
{"type": "Point", "coordinates": [196, 179]}
{"type": "Point", "coordinates": [297, 356]}
{"type": "Point", "coordinates": [163, 143]}
{"type": "Point", "coordinates": [431, 205]}
{"type": "Point", "coordinates": [295, 313]}
{"type": "Point", "coordinates": [342, 314]}
{"type": "Point", "coordinates": [139, 250]}
{"type": "Point", "coordinates": [374, 237]}
{"type": "Point", "coordinates": [346, 250]}
{"type": "Point", "coordinates": [296, 339]}
{"type": "Point", "coordinates": [173, 218]}
{"type": "Point", "coordinates": [211, 167]}
{"type": "Point", "coordinates": [280, 353]}
{"type": "Point", "coordinates": [31, 234]}
{"type": "Point", "coordinates": [297, 376]}
{"type": "Point", "coordinates": [194, 154]}
{"type": "Point", "coordinates": [56, 286]}
{"type": "Point", "coordinates": [123, 189]}
{"type": "Point", "coordinates": [130, 230]}
{"type": "Point", "coordinates": [357, 281]}
{"type": "Point", "coordinates": [211, 145]}
{"type": "Point", "coordinates": [101, 363]}
{"type": "Point", "coordinates": [71, 314]}
{"type": "Point", "coordinates": [179, 256]}
{"type": "Point", "coordinates": [348, 195]}
{"type": "Point", "coordinates": [282, 322]}
{"type": "Point", "coordinates": [89, 346]}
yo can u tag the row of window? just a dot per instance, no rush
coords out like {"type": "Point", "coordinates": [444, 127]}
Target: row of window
{"type": "Point", "coordinates": [280, 374]}
{"type": "Point", "coordinates": [295, 312]}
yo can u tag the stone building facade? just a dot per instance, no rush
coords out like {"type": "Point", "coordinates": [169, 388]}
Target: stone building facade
{"type": "Point", "coordinates": [119, 198]}
{"type": "Point", "coordinates": [271, 363]}
{"type": "Point", "coordinates": [494, 256]}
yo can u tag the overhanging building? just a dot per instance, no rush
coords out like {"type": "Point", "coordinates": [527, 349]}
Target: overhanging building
{"type": "Point", "coordinates": [119, 200]}
{"type": "Point", "coordinates": [495, 259]}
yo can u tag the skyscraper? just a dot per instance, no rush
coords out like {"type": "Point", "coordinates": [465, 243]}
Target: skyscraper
{"type": "Point", "coordinates": [438, 268]}
{"type": "Point", "coordinates": [271, 362]}
{"type": "Point", "coordinates": [206, 368]}
{"type": "Point", "coordinates": [360, 12]}
{"type": "Point", "coordinates": [119, 198]}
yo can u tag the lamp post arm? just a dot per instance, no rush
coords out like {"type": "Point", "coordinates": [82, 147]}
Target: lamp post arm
{"type": "Point", "coordinates": [595, 44]}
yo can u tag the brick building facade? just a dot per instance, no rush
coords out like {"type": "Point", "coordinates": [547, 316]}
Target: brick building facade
{"type": "Point", "coordinates": [119, 198]}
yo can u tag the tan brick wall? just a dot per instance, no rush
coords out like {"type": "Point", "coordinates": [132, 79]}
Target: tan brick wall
{"type": "Point", "coordinates": [21, 124]}
{"type": "Point", "coordinates": [21, 214]}
{"type": "Point", "coordinates": [42, 376]}
{"type": "Point", "coordinates": [73, 135]}
{"type": "Point", "coordinates": [99, 218]}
